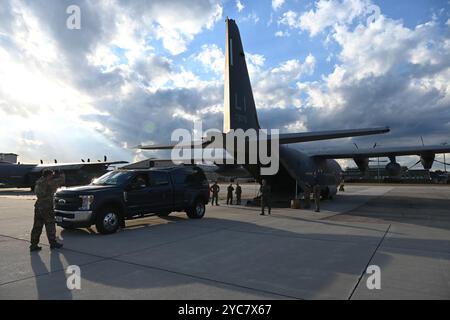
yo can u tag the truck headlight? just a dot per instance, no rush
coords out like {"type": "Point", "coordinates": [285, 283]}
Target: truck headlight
{"type": "Point", "coordinates": [86, 202]}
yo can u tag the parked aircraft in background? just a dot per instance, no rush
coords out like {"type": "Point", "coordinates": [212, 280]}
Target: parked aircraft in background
{"type": "Point", "coordinates": [16, 175]}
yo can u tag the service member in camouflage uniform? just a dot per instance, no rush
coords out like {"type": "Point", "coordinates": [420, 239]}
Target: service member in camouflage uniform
{"type": "Point", "coordinates": [307, 193]}
{"type": "Point", "coordinates": [265, 192]}
{"type": "Point", "coordinates": [238, 193]}
{"type": "Point", "coordinates": [215, 193]}
{"type": "Point", "coordinates": [317, 190]}
{"type": "Point", "coordinates": [230, 190]}
{"type": "Point", "coordinates": [43, 209]}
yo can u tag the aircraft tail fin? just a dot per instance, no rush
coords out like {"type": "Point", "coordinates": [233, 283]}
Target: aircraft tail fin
{"type": "Point", "coordinates": [239, 105]}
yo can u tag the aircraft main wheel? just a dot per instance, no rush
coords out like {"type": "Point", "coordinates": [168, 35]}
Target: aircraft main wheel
{"type": "Point", "coordinates": [197, 211]}
{"type": "Point", "coordinates": [108, 221]}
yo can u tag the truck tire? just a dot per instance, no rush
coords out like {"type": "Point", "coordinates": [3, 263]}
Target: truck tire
{"type": "Point", "coordinates": [108, 220]}
{"type": "Point", "coordinates": [197, 211]}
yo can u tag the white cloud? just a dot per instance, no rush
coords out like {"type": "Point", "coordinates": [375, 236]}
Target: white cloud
{"type": "Point", "coordinates": [289, 18]}
{"type": "Point", "coordinates": [386, 74]}
{"type": "Point", "coordinates": [256, 59]}
{"type": "Point", "coordinates": [282, 34]}
{"type": "Point", "coordinates": [296, 68]}
{"type": "Point", "coordinates": [297, 126]}
{"type": "Point", "coordinates": [175, 23]}
{"type": "Point", "coordinates": [239, 5]}
{"type": "Point", "coordinates": [251, 17]}
{"type": "Point", "coordinates": [328, 13]}
{"type": "Point", "coordinates": [272, 87]}
{"type": "Point", "coordinates": [212, 58]}
{"type": "Point", "coordinates": [276, 4]}
{"type": "Point", "coordinates": [105, 78]}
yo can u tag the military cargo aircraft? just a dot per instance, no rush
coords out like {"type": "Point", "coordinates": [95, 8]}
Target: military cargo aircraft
{"type": "Point", "coordinates": [296, 167]}
{"type": "Point", "coordinates": [16, 175]}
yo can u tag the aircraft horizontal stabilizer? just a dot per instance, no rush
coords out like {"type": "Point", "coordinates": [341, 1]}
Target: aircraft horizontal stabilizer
{"type": "Point", "coordinates": [194, 145]}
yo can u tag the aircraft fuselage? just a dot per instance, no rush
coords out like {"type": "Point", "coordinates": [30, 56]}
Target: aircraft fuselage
{"type": "Point", "coordinates": [297, 167]}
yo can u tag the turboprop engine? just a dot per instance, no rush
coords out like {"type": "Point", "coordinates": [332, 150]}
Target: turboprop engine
{"type": "Point", "coordinates": [362, 164]}
{"type": "Point", "coordinates": [427, 160]}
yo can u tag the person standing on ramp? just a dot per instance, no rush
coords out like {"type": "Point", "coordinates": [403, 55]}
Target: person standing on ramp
{"type": "Point", "coordinates": [230, 190]}
{"type": "Point", "coordinates": [238, 193]}
{"type": "Point", "coordinates": [215, 193]}
{"type": "Point", "coordinates": [317, 189]}
{"type": "Point", "coordinates": [265, 192]}
{"type": "Point", "coordinates": [43, 209]}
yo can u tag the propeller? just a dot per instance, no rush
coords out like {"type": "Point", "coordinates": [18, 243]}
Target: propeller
{"type": "Point", "coordinates": [88, 160]}
{"type": "Point", "coordinates": [82, 160]}
{"type": "Point", "coordinates": [42, 162]}
{"type": "Point", "coordinates": [56, 161]}
{"type": "Point", "coordinates": [105, 158]}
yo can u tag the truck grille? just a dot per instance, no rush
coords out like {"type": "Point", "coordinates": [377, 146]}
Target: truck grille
{"type": "Point", "coordinates": [68, 203]}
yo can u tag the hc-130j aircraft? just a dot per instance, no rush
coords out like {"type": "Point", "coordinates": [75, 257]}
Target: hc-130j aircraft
{"type": "Point", "coordinates": [16, 175]}
{"type": "Point", "coordinates": [295, 167]}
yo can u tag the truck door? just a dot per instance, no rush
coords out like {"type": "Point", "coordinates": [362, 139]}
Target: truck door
{"type": "Point", "coordinates": [139, 194]}
{"type": "Point", "coordinates": [161, 191]}
{"type": "Point", "coordinates": [178, 179]}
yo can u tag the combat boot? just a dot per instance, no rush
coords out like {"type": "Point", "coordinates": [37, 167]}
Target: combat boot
{"type": "Point", "coordinates": [35, 247]}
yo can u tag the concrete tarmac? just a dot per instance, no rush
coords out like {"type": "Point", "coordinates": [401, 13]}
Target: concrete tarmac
{"type": "Point", "coordinates": [234, 253]}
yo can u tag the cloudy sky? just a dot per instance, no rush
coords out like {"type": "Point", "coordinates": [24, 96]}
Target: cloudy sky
{"type": "Point", "coordinates": [137, 70]}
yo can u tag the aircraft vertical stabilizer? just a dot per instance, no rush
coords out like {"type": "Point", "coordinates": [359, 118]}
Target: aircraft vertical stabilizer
{"type": "Point", "coordinates": [239, 105]}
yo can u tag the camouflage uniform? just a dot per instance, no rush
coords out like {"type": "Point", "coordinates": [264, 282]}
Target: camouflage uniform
{"type": "Point", "coordinates": [43, 209]}
{"type": "Point", "coordinates": [265, 192]}
{"type": "Point", "coordinates": [307, 192]}
{"type": "Point", "coordinates": [317, 192]}
{"type": "Point", "coordinates": [230, 190]}
{"type": "Point", "coordinates": [317, 189]}
{"type": "Point", "coordinates": [215, 193]}
{"type": "Point", "coordinates": [238, 194]}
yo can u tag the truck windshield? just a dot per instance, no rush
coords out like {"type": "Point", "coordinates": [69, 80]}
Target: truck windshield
{"type": "Point", "coordinates": [113, 178]}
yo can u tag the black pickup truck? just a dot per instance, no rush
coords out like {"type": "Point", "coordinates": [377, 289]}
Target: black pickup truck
{"type": "Point", "coordinates": [128, 194]}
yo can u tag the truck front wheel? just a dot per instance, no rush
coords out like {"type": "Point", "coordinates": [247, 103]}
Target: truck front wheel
{"type": "Point", "coordinates": [197, 211]}
{"type": "Point", "coordinates": [108, 220]}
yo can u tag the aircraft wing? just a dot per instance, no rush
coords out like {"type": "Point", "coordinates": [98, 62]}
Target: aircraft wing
{"type": "Point", "coordinates": [284, 138]}
{"type": "Point", "coordinates": [287, 138]}
{"type": "Point", "coordinates": [75, 165]}
{"type": "Point", "coordinates": [380, 152]}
